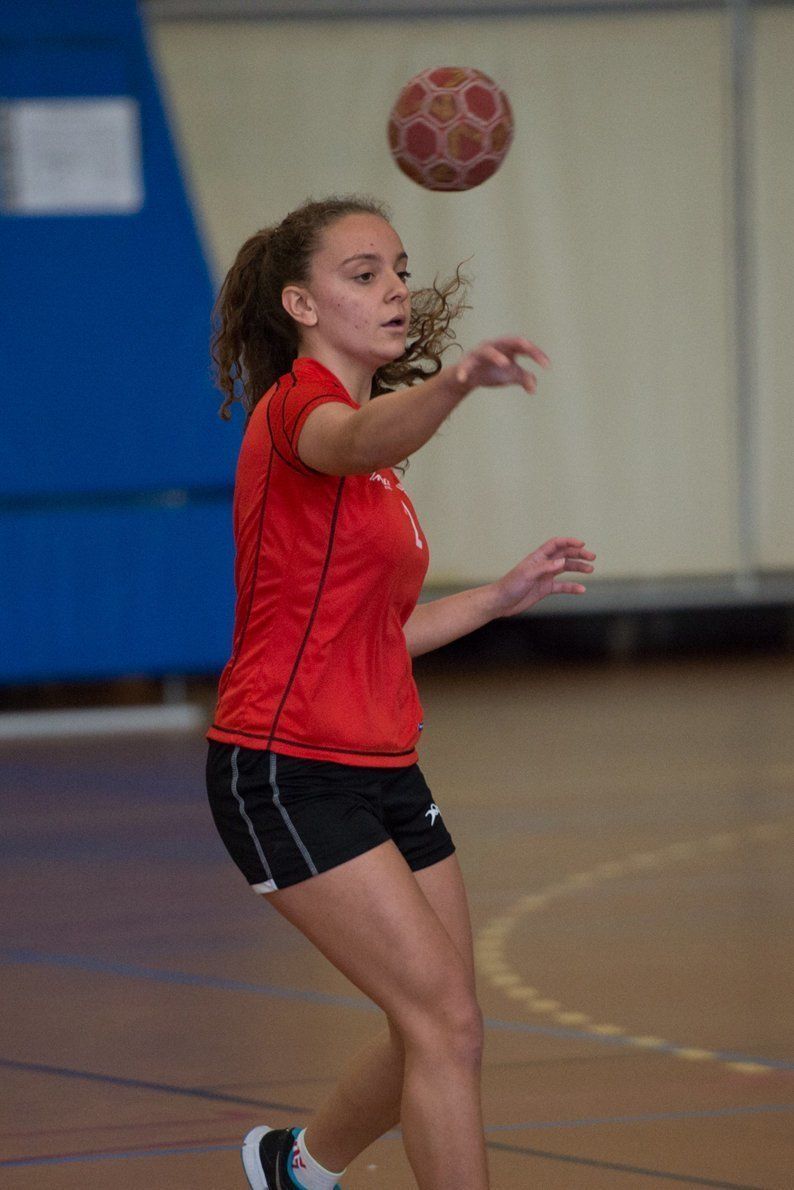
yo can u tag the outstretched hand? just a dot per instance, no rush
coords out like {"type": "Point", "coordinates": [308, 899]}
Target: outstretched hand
{"type": "Point", "coordinates": [539, 575]}
{"type": "Point", "coordinates": [494, 363]}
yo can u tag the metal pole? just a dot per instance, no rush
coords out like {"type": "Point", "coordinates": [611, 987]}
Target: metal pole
{"type": "Point", "coordinates": [745, 310]}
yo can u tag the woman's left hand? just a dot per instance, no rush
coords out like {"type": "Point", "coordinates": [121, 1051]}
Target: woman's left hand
{"type": "Point", "coordinates": [539, 575]}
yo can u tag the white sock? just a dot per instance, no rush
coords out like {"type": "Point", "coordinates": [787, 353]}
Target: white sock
{"type": "Point", "coordinates": [306, 1172]}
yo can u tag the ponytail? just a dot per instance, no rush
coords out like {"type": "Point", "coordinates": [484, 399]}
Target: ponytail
{"type": "Point", "coordinates": [254, 341]}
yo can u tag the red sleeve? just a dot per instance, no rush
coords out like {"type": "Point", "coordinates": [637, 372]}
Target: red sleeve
{"type": "Point", "coordinates": [289, 406]}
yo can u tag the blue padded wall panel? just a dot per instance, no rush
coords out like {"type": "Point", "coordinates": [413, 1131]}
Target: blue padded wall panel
{"type": "Point", "coordinates": [101, 593]}
{"type": "Point", "coordinates": [105, 324]}
{"type": "Point", "coordinates": [106, 392]}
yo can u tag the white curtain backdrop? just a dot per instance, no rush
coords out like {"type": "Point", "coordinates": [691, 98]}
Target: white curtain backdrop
{"type": "Point", "coordinates": [606, 237]}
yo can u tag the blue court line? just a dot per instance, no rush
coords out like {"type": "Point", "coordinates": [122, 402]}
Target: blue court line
{"type": "Point", "coordinates": [10, 955]}
{"type": "Point", "coordinates": [618, 1167]}
{"type": "Point", "coordinates": [80, 1158]}
{"type": "Point", "coordinates": [137, 1084]}
{"type": "Point", "coordinates": [647, 1117]}
{"type": "Point", "coordinates": [158, 975]}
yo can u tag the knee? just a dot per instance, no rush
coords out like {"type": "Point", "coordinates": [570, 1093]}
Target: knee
{"type": "Point", "coordinates": [464, 1031]}
{"type": "Point", "coordinates": [449, 1024]}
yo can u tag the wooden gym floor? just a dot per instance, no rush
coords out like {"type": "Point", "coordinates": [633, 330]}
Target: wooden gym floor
{"type": "Point", "coordinates": [626, 834]}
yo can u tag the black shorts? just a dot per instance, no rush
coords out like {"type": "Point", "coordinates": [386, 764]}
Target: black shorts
{"type": "Point", "coordinates": [284, 819]}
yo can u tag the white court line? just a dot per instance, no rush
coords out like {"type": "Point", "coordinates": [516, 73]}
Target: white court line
{"type": "Point", "coordinates": [40, 725]}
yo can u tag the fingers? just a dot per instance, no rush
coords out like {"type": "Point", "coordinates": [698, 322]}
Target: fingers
{"type": "Point", "coordinates": [557, 556]}
{"type": "Point", "coordinates": [514, 345]}
{"type": "Point", "coordinates": [556, 545]}
{"type": "Point", "coordinates": [498, 354]}
{"type": "Point", "coordinates": [528, 382]}
{"type": "Point", "coordinates": [492, 353]}
{"type": "Point", "coordinates": [570, 547]}
{"type": "Point", "coordinates": [540, 573]}
{"type": "Point", "coordinates": [501, 354]}
{"type": "Point", "coordinates": [556, 565]}
{"type": "Point", "coordinates": [568, 589]}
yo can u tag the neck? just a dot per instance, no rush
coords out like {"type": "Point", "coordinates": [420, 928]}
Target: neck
{"type": "Point", "coordinates": [354, 375]}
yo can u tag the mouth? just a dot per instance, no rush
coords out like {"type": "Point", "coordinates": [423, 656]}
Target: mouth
{"type": "Point", "coordinates": [397, 323]}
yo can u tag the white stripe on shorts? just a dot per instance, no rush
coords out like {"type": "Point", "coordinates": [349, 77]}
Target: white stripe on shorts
{"type": "Point", "coordinates": [267, 886]}
{"type": "Point", "coordinates": [286, 817]}
{"type": "Point", "coordinates": [249, 824]}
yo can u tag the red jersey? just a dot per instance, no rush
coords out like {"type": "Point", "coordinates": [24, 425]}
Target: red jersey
{"type": "Point", "coordinates": [328, 570]}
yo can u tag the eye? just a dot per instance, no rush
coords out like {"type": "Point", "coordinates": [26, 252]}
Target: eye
{"type": "Point", "coordinates": [404, 275]}
{"type": "Point", "coordinates": [365, 277]}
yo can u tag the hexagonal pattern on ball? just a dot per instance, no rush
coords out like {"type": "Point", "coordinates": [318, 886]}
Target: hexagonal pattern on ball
{"type": "Point", "coordinates": [450, 128]}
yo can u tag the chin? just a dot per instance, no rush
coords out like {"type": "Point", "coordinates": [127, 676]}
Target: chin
{"type": "Point", "coordinates": [395, 354]}
{"type": "Point", "coordinates": [387, 354]}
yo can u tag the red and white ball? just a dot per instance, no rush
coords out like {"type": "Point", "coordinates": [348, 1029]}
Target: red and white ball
{"type": "Point", "coordinates": [450, 128]}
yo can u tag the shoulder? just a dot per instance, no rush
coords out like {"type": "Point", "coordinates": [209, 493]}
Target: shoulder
{"type": "Point", "coordinates": [294, 396]}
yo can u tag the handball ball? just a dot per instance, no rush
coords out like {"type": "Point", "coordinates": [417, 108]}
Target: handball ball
{"type": "Point", "coordinates": [450, 128]}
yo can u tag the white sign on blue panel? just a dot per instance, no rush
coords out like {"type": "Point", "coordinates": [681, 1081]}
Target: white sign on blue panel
{"type": "Point", "coordinates": [72, 156]}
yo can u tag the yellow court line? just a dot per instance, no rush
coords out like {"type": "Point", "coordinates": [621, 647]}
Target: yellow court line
{"type": "Point", "coordinates": [490, 943]}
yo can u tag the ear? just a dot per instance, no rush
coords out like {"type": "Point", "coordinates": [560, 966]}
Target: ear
{"type": "Point", "coordinates": [299, 304]}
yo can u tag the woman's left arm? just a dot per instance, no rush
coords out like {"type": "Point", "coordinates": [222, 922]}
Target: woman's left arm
{"type": "Point", "coordinates": [436, 623]}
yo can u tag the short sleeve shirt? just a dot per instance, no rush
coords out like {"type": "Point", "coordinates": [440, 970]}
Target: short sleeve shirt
{"type": "Point", "coordinates": [328, 569]}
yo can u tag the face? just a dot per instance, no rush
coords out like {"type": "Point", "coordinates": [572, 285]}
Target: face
{"type": "Point", "coordinates": [356, 301]}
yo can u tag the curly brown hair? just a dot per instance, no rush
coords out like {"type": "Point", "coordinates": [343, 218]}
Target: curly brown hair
{"type": "Point", "coordinates": [255, 341]}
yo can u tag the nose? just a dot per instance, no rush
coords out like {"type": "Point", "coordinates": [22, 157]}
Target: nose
{"type": "Point", "coordinates": [399, 290]}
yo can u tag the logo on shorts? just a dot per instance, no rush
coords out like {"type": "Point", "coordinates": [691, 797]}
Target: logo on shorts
{"type": "Point", "coordinates": [432, 813]}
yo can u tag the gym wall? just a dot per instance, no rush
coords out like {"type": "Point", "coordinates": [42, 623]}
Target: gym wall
{"type": "Point", "coordinates": [608, 237]}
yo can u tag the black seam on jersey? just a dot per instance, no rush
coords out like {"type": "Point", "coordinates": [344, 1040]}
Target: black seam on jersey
{"type": "Point", "coordinates": [283, 458]}
{"type": "Point", "coordinates": [310, 625]}
{"type": "Point", "coordinates": [313, 401]}
{"type": "Point", "coordinates": [278, 739]}
{"type": "Point", "coordinates": [294, 379]}
{"type": "Point", "coordinates": [302, 470]}
{"type": "Point", "coordinates": [291, 437]}
{"type": "Point", "coordinates": [239, 647]}
{"type": "Point", "coordinates": [302, 412]}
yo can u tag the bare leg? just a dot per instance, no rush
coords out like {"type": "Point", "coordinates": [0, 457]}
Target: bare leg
{"type": "Point", "coordinates": [364, 1104]}
{"type": "Point", "coordinates": [366, 1101]}
{"type": "Point", "coordinates": [373, 920]}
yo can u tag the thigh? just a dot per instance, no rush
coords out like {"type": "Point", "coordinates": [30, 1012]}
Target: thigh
{"type": "Point", "coordinates": [443, 888]}
{"type": "Point", "coordinates": [373, 921]}
{"type": "Point", "coordinates": [418, 829]}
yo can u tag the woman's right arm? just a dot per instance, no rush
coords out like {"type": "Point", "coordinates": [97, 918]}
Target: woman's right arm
{"type": "Point", "coordinates": [338, 440]}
